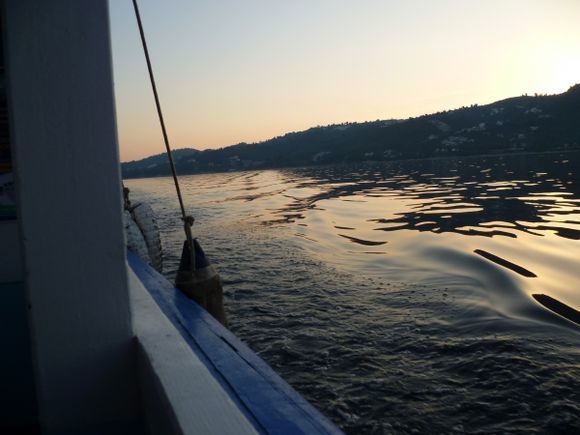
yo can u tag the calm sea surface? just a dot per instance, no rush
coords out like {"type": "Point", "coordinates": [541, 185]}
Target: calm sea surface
{"type": "Point", "coordinates": [397, 297]}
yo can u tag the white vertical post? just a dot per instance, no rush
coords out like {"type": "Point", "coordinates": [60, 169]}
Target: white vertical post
{"type": "Point", "coordinates": [64, 133]}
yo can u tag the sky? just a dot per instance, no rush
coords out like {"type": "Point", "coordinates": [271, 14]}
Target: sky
{"type": "Point", "coordinates": [231, 71]}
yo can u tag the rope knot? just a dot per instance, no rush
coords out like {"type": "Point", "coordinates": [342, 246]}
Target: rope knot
{"type": "Point", "coordinates": [188, 220]}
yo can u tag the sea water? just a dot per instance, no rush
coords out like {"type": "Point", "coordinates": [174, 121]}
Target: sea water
{"type": "Point", "coordinates": [397, 297]}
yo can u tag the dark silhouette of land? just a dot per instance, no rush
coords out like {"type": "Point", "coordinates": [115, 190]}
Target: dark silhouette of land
{"type": "Point", "coordinates": [536, 123]}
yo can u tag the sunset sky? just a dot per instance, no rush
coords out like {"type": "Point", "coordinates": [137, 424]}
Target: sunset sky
{"type": "Point", "coordinates": [231, 71]}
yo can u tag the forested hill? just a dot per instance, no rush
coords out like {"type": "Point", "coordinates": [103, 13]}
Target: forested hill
{"type": "Point", "coordinates": [526, 123]}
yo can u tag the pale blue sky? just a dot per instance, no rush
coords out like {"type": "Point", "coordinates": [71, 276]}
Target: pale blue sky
{"type": "Point", "coordinates": [246, 70]}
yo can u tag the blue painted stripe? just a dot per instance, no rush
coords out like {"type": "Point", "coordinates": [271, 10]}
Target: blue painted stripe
{"type": "Point", "coordinates": [270, 403]}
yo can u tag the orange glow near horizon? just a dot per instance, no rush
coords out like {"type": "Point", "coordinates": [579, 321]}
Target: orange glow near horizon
{"type": "Point", "coordinates": [231, 72]}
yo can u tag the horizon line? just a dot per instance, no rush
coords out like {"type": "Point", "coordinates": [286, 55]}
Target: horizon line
{"type": "Point", "coordinates": [526, 94]}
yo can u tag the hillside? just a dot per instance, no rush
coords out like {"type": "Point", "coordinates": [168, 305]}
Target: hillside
{"type": "Point", "coordinates": [158, 164]}
{"type": "Point", "coordinates": [526, 123]}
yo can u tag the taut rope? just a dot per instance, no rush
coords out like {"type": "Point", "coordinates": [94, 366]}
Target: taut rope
{"type": "Point", "coordinates": [187, 220]}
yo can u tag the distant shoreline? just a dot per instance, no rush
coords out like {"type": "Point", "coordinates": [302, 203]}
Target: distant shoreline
{"type": "Point", "coordinates": [366, 162]}
{"type": "Point", "coordinates": [515, 126]}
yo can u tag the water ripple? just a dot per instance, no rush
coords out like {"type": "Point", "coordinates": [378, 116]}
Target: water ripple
{"type": "Point", "coordinates": [466, 324]}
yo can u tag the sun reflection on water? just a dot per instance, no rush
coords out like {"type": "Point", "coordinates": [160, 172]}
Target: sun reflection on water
{"type": "Point", "coordinates": [391, 293]}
